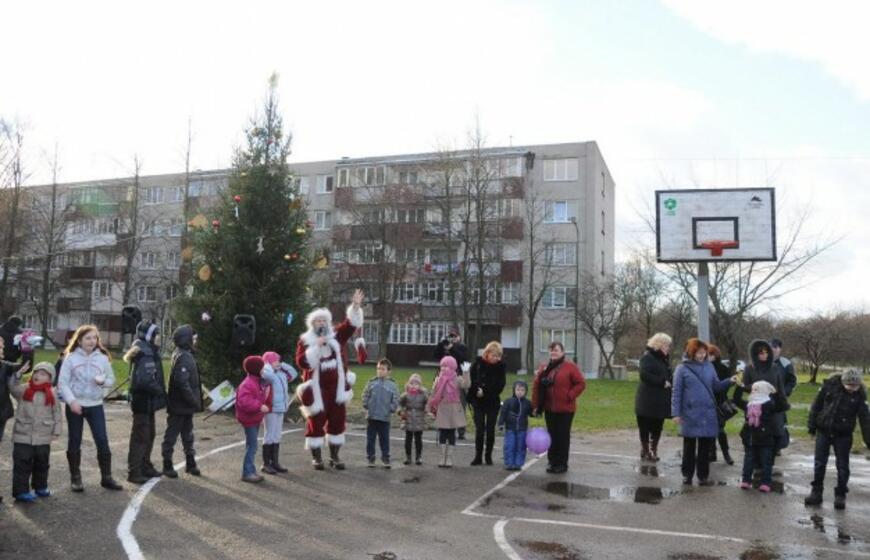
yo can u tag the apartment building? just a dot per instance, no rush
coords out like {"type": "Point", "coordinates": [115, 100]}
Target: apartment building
{"type": "Point", "coordinates": [435, 239]}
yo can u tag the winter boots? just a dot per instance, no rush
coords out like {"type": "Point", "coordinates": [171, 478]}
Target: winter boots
{"type": "Point", "coordinates": [276, 450]}
{"type": "Point", "coordinates": [74, 458]}
{"type": "Point", "coordinates": [106, 480]}
{"type": "Point", "coordinates": [317, 459]}
{"type": "Point", "coordinates": [268, 459]}
{"type": "Point", "coordinates": [168, 468]}
{"type": "Point", "coordinates": [334, 460]}
{"type": "Point", "coordinates": [190, 466]}
{"type": "Point", "coordinates": [815, 498]}
{"type": "Point", "coordinates": [839, 501]}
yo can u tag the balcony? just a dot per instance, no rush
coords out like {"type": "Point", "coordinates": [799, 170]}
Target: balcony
{"type": "Point", "coordinates": [511, 271]}
{"type": "Point", "coordinates": [510, 316]}
{"type": "Point", "coordinates": [82, 272]}
{"type": "Point", "coordinates": [512, 228]}
{"type": "Point", "coordinates": [66, 305]}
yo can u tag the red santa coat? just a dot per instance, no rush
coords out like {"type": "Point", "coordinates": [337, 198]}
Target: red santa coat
{"type": "Point", "coordinates": [327, 383]}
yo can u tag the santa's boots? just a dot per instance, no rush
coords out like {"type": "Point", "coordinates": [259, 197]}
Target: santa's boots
{"type": "Point", "coordinates": [317, 459]}
{"type": "Point", "coordinates": [334, 461]}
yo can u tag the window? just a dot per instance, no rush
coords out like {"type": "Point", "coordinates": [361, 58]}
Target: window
{"type": "Point", "coordinates": [561, 254]}
{"type": "Point", "coordinates": [510, 293]}
{"type": "Point", "coordinates": [491, 293]}
{"type": "Point", "coordinates": [408, 177]}
{"type": "Point", "coordinates": [304, 185]}
{"type": "Point", "coordinates": [412, 216]}
{"type": "Point", "coordinates": [602, 222]}
{"type": "Point", "coordinates": [101, 290]}
{"type": "Point", "coordinates": [406, 292]}
{"type": "Point", "coordinates": [176, 194]}
{"type": "Point", "coordinates": [146, 294]}
{"type": "Point", "coordinates": [344, 177]}
{"type": "Point", "coordinates": [175, 227]}
{"type": "Point", "coordinates": [432, 333]}
{"type": "Point", "coordinates": [371, 176]}
{"type": "Point", "coordinates": [434, 292]}
{"type": "Point", "coordinates": [412, 256]}
{"type": "Point", "coordinates": [152, 195]}
{"type": "Point", "coordinates": [26, 292]}
{"type": "Point", "coordinates": [555, 298]}
{"type": "Point", "coordinates": [148, 261]}
{"type": "Point", "coordinates": [558, 211]}
{"type": "Point", "coordinates": [561, 169]}
{"type": "Point", "coordinates": [510, 337]}
{"type": "Point", "coordinates": [171, 292]}
{"type": "Point", "coordinates": [173, 259]}
{"type": "Point", "coordinates": [152, 229]}
{"type": "Point", "coordinates": [371, 331]}
{"type": "Point", "coordinates": [322, 220]}
{"type": "Point", "coordinates": [403, 333]}
{"type": "Point", "coordinates": [30, 320]}
{"type": "Point", "coordinates": [107, 225]}
{"type": "Point", "coordinates": [324, 184]}
{"type": "Point", "coordinates": [368, 253]}
{"type": "Point", "coordinates": [565, 336]}
{"type": "Point", "coordinates": [373, 216]}
{"type": "Point", "coordinates": [509, 207]}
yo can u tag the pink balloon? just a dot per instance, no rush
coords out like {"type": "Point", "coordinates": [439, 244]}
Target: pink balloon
{"type": "Point", "coordinates": [538, 440]}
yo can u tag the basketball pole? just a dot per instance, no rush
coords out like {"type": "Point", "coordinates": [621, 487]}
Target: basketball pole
{"type": "Point", "coordinates": [703, 302]}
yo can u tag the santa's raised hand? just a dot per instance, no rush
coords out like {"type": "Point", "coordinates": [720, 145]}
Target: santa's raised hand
{"type": "Point", "coordinates": [358, 297]}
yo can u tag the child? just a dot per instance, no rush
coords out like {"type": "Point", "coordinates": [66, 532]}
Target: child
{"type": "Point", "coordinates": [252, 404]}
{"type": "Point", "coordinates": [279, 376]}
{"type": "Point", "coordinates": [514, 417]}
{"type": "Point", "coordinates": [380, 399]}
{"type": "Point", "coordinates": [446, 405]}
{"type": "Point", "coordinates": [86, 372]}
{"type": "Point", "coordinates": [37, 423]}
{"type": "Point", "coordinates": [841, 400]}
{"type": "Point", "coordinates": [759, 433]}
{"type": "Point", "coordinates": [413, 412]}
{"type": "Point", "coordinates": [183, 400]}
{"type": "Point", "coordinates": [147, 396]}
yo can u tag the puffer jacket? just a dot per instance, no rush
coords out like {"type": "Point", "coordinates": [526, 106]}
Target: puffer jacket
{"type": "Point", "coordinates": [566, 383]}
{"type": "Point", "coordinates": [514, 413]}
{"type": "Point", "coordinates": [280, 388]}
{"type": "Point", "coordinates": [76, 383]}
{"type": "Point", "coordinates": [253, 393]}
{"type": "Point", "coordinates": [413, 407]}
{"type": "Point", "coordinates": [35, 423]}
{"type": "Point", "coordinates": [835, 410]}
{"type": "Point", "coordinates": [380, 398]}
{"type": "Point", "coordinates": [653, 398]}
{"type": "Point", "coordinates": [147, 383]}
{"type": "Point", "coordinates": [184, 396]}
{"type": "Point", "coordinates": [762, 371]}
{"type": "Point", "coordinates": [693, 400]}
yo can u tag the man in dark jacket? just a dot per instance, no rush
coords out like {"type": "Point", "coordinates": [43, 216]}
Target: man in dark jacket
{"type": "Point", "coordinates": [785, 367]}
{"type": "Point", "coordinates": [147, 396]}
{"type": "Point", "coordinates": [7, 370]}
{"type": "Point", "coordinates": [8, 332]}
{"type": "Point", "coordinates": [762, 368]}
{"type": "Point", "coordinates": [452, 346]}
{"type": "Point", "coordinates": [184, 399]}
{"type": "Point", "coordinates": [840, 402]}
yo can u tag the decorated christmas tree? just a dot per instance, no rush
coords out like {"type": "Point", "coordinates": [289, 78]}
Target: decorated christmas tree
{"type": "Point", "coordinates": [249, 256]}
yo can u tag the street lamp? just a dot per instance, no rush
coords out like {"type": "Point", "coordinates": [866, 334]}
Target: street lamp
{"type": "Point", "coordinates": [576, 281]}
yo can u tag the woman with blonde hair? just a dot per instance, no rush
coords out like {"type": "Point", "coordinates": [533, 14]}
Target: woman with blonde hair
{"type": "Point", "coordinates": [652, 403]}
{"type": "Point", "coordinates": [84, 375]}
{"type": "Point", "coordinates": [488, 377]}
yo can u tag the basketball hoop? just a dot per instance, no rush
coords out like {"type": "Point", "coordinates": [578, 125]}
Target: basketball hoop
{"type": "Point", "coordinates": [716, 247]}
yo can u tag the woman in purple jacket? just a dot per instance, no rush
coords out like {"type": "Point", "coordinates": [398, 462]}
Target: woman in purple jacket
{"type": "Point", "coordinates": [693, 406]}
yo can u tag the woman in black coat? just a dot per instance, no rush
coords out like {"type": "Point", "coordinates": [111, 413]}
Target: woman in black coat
{"type": "Point", "coordinates": [488, 375]}
{"type": "Point", "coordinates": [652, 403]}
{"type": "Point", "coordinates": [722, 372]}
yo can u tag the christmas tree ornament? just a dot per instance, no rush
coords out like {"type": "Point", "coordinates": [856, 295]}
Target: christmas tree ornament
{"type": "Point", "coordinates": [260, 247]}
{"type": "Point", "coordinates": [204, 273]}
{"type": "Point", "coordinates": [301, 231]}
{"type": "Point", "coordinates": [237, 198]}
{"type": "Point", "coordinates": [287, 256]}
{"type": "Point", "coordinates": [321, 262]}
{"type": "Point", "coordinates": [205, 317]}
{"type": "Point", "coordinates": [198, 222]}
{"type": "Point", "coordinates": [216, 225]}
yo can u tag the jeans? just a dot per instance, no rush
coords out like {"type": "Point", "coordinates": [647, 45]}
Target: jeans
{"type": "Point", "coordinates": [248, 467]}
{"type": "Point", "coordinates": [29, 462]}
{"type": "Point", "coordinates": [96, 417]}
{"type": "Point", "coordinates": [417, 438]}
{"type": "Point", "coordinates": [559, 426]}
{"type": "Point", "coordinates": [762, 457]}
{"type": "Point", "coordinates": [696, 454]}
{"type": "Point", "coordinates": [514, 448]}
{"type": "Point", "coordinates": [842, 446]}
{"type": "Point", "coordinates": [175, 425]}
{"type": "Point", "coordinates": [274, 421]}
{"type": "Point", "coordinates": [447, 435]}
{"type": "Point", "coordinates": [378, 429]}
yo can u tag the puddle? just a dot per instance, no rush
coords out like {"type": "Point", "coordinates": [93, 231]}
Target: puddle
{"type": "Point", "coordinates": [386, 555]}
{"type": "Point", "coordinates": [648, 470]}
{"type": "Point", "coordinates": [637, 494]}
{"type": "Point", "coordinates": [553, 551]}
{"type": "Point", "coordinates": [204, 438]}
{"type": "Point", "coordinates": [692, 556]}
{"type": "Point", "coordinates": [760, 552]}
{"type": "Point", "coordinates": [411, 480]}
{"type": "Point", "coordinates": [840, 535]}
{"type": "Point", "coordinates": [540, 506]}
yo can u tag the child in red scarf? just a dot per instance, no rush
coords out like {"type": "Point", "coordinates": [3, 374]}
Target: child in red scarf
{"type": "Point", "coordinates": [37, 423]}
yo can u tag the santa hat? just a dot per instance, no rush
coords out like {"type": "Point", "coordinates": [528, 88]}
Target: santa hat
{"type": "Point", "coordinates": [319, 313]}
{"type": "Point", "coordinates": [253, 365]}
{"type": "Point", "coordinates": [361, 353]}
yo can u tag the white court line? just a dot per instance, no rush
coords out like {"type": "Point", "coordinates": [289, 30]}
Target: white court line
{"type": "Point", "coordinates": [508, 479]}
{"type": "Point", "coordinates": [125, 526]}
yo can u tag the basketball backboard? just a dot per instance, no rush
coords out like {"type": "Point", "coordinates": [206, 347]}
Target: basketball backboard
{"type": "Point", "coordinates": [695, 225]}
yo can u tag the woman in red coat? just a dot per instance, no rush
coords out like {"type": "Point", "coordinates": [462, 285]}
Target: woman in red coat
{"type": "Point", "coordinates": [555, 390]}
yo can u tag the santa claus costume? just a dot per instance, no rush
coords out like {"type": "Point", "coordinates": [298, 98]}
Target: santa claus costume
{"type": "Point", "coordinates": [327, 382]}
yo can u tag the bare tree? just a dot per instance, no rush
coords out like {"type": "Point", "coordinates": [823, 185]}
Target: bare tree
{"type": "Point", "coordinates": [819, 339]}
{"type": "Point", "coordinates": [650, 291]}
{"type": "Point", "coordinates": [13, 177]}
{"type": "Point", "coordinates": [605, 310]}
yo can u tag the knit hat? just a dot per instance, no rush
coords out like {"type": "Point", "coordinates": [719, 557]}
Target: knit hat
{"type": "Point", "coordinates": [852, 377]}
{"type": "Point", "coordinates": [146, 330]}
{"type": "Point", "coordinates": [415, 377]}
{"type": "Point", "coordinates": [253, 365]}
{"type": "Point", "coordinates": [47, 367]}
{"type": "Point", "coordinates": [271, 357]}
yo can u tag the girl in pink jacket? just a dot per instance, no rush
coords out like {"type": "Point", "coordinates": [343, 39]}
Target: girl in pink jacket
{"type": "Point", "coordinates": [253, 400]}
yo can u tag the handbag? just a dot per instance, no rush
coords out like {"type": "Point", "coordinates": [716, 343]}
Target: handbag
{"type": "Point", "coordinates": [725, 410]}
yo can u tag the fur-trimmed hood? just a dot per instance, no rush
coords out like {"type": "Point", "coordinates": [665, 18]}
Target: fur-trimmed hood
{"type": "Point", "coordinates": [753, 355]}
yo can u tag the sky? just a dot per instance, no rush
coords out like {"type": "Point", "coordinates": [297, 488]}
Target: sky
{"type": "Point", "coordinates": [678, 94]}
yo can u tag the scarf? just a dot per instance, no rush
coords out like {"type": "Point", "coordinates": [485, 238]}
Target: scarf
{"type": "Point", "coordinates": [33, 388]}
{"type": "Point", "coordinates": [553, 365]}
{"type": "Point", "coordinates": [753, 415]}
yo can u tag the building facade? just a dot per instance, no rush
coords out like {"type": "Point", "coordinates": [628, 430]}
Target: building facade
{"type": "Point", "coordinates": [472, 239]}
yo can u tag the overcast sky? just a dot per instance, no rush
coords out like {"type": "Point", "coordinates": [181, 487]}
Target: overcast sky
{"type": "Point", "coordinates": [678, 93]}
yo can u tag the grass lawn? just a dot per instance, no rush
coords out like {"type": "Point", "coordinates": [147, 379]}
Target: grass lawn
{"type": "Point", "coordinates": [605, 405]}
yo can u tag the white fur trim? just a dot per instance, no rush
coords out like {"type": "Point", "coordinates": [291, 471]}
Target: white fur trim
{"type": "Point", "coordinates": [316, 406]}
{"type": "Point", "coordinates": [315, 313]}
{"type": "Point", "coordinates": [351, 378]}
{"type": "Point", "coordinates": [359, 342]}
{"type": "Point", "coordinates": [335, 439]}
{"type": "Point", "coordinates": [313, 442]}
{"type": "Point", "coordinates": [355, 316]}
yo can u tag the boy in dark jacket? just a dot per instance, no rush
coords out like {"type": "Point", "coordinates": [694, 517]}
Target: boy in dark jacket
{"type": "Point", "coordinates": [147, 396]}
{"type": "Point", "coordinates": [514, 418]}
{"type": "Point", "coordinates": [841, 400]}
{"type": "Point", "coordinates": [184, 399]}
